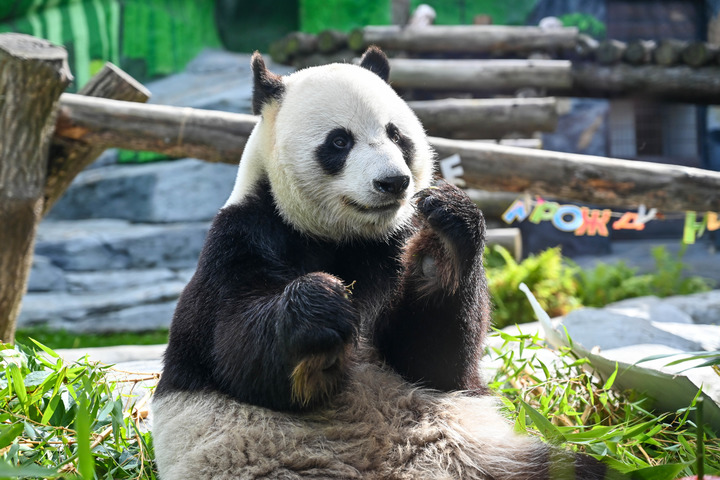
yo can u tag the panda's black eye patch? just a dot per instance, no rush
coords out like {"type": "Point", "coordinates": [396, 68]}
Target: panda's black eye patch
{"type": "Point", "coordinates": [406, 146]}
{"type": "Point", "coordinates": [333, 152]}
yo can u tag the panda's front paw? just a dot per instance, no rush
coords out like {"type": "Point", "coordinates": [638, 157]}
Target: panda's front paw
{"type": "Point", "coordinates": [316, 331]}
{"type": "Point", "coordinates": [452, 215]}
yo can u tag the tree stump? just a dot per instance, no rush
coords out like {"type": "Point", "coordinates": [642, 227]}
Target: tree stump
{"type": "Point", "coordinates": [33, 74]}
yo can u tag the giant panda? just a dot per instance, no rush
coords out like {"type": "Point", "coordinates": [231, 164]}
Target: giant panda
{"type": "Point", "coordinates": [335, 323]}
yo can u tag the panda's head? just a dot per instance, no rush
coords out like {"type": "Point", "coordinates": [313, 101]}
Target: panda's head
{"type": "Point", "coordinates": [343, 153]}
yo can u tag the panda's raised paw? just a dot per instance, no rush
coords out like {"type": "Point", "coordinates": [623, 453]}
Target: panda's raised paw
{"type": "Point", "coordinates": [451, 213]}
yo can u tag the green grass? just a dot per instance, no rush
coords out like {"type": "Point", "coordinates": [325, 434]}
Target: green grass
{"type": "Point", "coordinates": [72, 421]}
{"type": "Point", "coordinates": [63, 339]}
{"type": "Point", "coordinates": [562, 402]}
{"type": "Point", "coordinates": [69, 420]}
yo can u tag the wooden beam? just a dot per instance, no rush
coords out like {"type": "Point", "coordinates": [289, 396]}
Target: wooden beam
{"type": "Point", "coordinates": [463, 38]}
{"type": "Point", "coordinates": [598, 180]}
{"type": "Point", "coordinates": [679, 83]}
{"type": "Point", "coordinates": [475, 75]}
{"type": "Point", "coordinates": [175, 131]}
{"type": "Point", "coordinates": [69, 157]}
{"type": "Point", "coordinates": [486, 118]}
{"type": "Point", "coordinates": [221, 137]}
{"type": "Point", "coordinates": [33, 74]}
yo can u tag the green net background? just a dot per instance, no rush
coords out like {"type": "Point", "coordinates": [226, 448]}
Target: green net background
{"type": "Point", "coordinates": [145, 38]}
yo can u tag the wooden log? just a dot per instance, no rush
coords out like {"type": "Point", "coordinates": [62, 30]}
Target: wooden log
{"type": "Point", "coordinates": [221, 137]}
{"type": "Point", "coordinates": [486, 118]}
{"type": "Point", "coordinates": [698, 54]}
{"type": "Point", "coordinates": [330, 41]}
{"type": "Point", "coordinates": [639, 52]}
{"type": "Point", "coordinates": [279, 52]}
{"type": "Point", "coordinates": [478, 75]}
{"type": "Point", "coordinates": [610, 52]}
{"type": "Point", "coordinates": [463, 38]}
{"type": "Point", "coordinates": [586, 45]}
{"type": "Point", "coordinates": [680, 83]}
{"type": "Point", "coordinates": [584, 178]}
{"type": "Point", "coordinates": [299, 43]}
{"type": "Point", "coordinates": [69, 157]}
{"type": "Point", "coordinates": [33, 74]}
{"type": "Point", "coordinates": [669, 52]}
{"type": "Point", "coordinates": [176, 131]}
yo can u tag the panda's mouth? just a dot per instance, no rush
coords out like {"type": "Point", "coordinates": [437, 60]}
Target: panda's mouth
{"type": "Point", "coordinates": [373, 209]}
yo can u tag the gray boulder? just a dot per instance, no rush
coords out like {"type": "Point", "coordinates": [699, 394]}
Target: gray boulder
{"type": "Point", "coordinates": [46, 277]}
{"type": "Point", "coordinates": [186, 190]}
{"type": "Point", "coordinates": [116, 244]}
{"type": "Point", "coordinates": [103, 311]}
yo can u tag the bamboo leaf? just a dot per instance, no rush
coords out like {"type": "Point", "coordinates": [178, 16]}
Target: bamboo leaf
{"type": "Point", "coordinates": [549, 431]}
{"type": "Point", "coordinates": [659, 472]}
{"type": "Point", "coordinates": [50, 409]}
{"type": "Point", "coordinates": [86, 461]}
{"type": "Point", "coordinates": [8, 433]}
{"type": "Point", "coordinates": [18, 383]}
{"type": "Point", "coordinates": [25, 471]}
{"type": "Point", "coordinates": [45, 349]}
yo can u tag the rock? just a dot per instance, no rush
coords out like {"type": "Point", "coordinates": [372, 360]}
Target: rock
{"type": "Point", "coordinates": [704, 377]}
{"type": "Point", "coordinates": [215, 80]}
{"type": "Point", "coordinates": [116, 244]}
{"type": "Point", "coordinates": [702, 307]}
{"type": "Point", "coordinates": [46, 277]}
{"type": "Point", "coordinates": [650, 308]}
{"type": "Point", "coordinates": [186, 190]}
{"type": "Point", "coordinates": [103, 311]}
{"type": "Point", "coordinates": [113, 280]}
{"type": "Point", "coordinates": [138, 318]}
{"type": "Point", "coordinates": [593, 327]}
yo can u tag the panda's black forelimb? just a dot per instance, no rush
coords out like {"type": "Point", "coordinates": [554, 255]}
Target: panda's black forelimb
{"type": "Point", "coordinates": [432, 333]}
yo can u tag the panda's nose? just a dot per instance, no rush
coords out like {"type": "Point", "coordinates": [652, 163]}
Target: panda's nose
{"type": "Point", "coordinates": [393, 185]}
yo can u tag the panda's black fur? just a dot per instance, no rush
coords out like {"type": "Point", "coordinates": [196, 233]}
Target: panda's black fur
{"type": "Point", "coordinates": [265, 296]}
{"type": "Point", "coordinates": [290, 349]}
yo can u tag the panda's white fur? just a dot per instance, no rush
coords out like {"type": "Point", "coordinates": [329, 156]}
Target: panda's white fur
{"type": "Point", "coordinates": [315, 101]}
{"type": "Point", "coordinates": [379, 427]}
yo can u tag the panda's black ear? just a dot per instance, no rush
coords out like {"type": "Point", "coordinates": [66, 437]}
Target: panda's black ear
{"type": "Point", "coordinates": [375, 60]}
{"type": "Point", "coordinates": [266, 85]}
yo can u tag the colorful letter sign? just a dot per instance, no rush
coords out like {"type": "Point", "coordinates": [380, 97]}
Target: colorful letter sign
{"type": "Point", "coordinates": [586, 221]}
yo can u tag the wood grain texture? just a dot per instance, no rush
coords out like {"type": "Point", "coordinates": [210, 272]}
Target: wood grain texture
{"type": "Point", "coordinates": [33, 74]}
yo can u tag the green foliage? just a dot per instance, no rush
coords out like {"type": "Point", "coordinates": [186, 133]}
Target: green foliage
{"type": "Point", "coordinates": [64, 339]}
{"type": "Point", "coordinates": [553, 282]}
{"type": "Point", "coordinates": [564, 403]}
{"type": "Point", "coordinates": [610, 283]}
{"type": "Point", "coordinates": [561, 286]}
{"type": "Point", "coordinates": [67, 420]}
{"type": "Point", "coordinates": [586, 24]}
